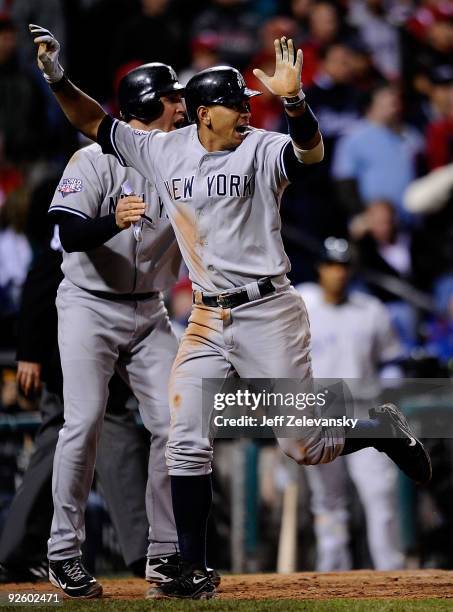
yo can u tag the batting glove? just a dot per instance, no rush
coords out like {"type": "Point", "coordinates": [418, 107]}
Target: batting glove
{"type": "Point", "coordinates": [286, 81]}
{"type": "Point", "coordinates": [48, 52]}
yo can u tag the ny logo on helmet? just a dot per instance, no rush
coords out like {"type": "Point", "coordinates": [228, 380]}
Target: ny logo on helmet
{"type": "Point", "coordinates": [240, 79]}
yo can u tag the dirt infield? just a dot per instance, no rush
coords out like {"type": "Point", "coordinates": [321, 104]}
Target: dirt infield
{"type": "Point", "coordinates": [419, 584]}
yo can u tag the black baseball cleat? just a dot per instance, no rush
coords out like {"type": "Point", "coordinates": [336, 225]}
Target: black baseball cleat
{"type": "Point", "coordinates": [70, 576]}
{"type": "Point", "coordinates": [214, 576]}
{"type": "Point", "coordinates": [191, 584]}
{"type": "Point", "coordinates": [168, 567]}
{"type": "Point", "coordinates": [401, 445]}
{"type": "Point", "coordinates": [163, 569]}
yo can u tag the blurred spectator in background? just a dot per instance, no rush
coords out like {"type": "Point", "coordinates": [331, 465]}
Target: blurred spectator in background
{"type": "Point", "coordinates": [372, 21]}
{"type": "Point", "coordinates": [439, 132]}
{"type": "Point", "coordinates": [323, 30]}
{"type": "Point", "coordinates": [22, 105]}
{"type": "Point", "coordinates": [235, 28]}
{"type": "Point", "coordinates": [434, 102]}
{"type": "Point", "coordinates": [366, 75]}
{"type": "Point", "coordinates": [333, 96]}
{"type": "Point", "coordinates": [10, 176]}
{"type": "Point", "coordinates": [427, 42]}
{"type": "Point", "coordinates": [267, 108]}
{"type": "Point", "coordinates": [382, 246]}
{"type": "Point", "coordinates": [204, 55]}
{"type": "Point", "coordinates": [377, 160]}
{"type": "Point", "coordinates": [385, 254]}
{"type": "Point", "coordinates": [300, 11]}
{"type": "Point", "coordinates": [15, 258]}
{"type": "Point", "coordinates": [426, 14]}
{"type": "Point", "coordinates": [351, 338]}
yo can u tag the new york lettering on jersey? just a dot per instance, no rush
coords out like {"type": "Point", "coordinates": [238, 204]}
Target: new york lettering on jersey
{"type": "Point", "coordinates": [232, 185]}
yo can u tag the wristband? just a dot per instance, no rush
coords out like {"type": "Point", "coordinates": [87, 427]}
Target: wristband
{"type": "Point", "coordinates": [294, 101]}
{"type": "Point", "coordinates": [304, 127]}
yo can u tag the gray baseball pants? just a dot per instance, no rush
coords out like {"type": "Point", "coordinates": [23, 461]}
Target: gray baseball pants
{"type": "Point", "coordinates": [97, 336]}
{"type": "Point", "coordinates": [265, 338]}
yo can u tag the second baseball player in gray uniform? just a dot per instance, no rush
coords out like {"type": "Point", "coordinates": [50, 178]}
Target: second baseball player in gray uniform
{"type": "Point", "coordinates": [352, 338]}
{"type": "Point", "coordinates": [111, 316]}
{"type": "Point", "coordinates": [221, 182]}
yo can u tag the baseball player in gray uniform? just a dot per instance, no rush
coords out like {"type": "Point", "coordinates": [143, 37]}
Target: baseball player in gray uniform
{"type": "Point", "coordinates": [119, 253]}
{"type": "Point", "coordinates": [352, 338]}
{"type": "Point", "coordinates": [220, 182]}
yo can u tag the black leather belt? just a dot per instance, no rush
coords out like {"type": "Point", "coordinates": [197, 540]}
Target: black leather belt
{"type": "Point", "coordinates": [231, 299]}
{"type": "Point", "coordinates": [123, 297]}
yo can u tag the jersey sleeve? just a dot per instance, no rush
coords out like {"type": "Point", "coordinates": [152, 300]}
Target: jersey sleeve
{"type": "Point", "coordinates": [269, 157]}
{"type": "Point", "coordinates": [79, 190]}
{"type": "Point", "coordinates": [133, 148]}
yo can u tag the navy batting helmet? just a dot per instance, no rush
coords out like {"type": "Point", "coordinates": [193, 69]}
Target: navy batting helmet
{"type": "Point", "coordinates": [219, 85]}
{"type": "Point", "coordinates": [140, 90]}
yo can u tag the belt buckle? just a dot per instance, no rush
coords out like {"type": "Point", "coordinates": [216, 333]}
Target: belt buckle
{"type": "Point", "coordinates": [222, 299]}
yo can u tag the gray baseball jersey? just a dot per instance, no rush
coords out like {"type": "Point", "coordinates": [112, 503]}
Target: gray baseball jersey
{"type": "Point", "coordinates": [224, 206]}
{"type": "Point", "coordinates": [91, 186]}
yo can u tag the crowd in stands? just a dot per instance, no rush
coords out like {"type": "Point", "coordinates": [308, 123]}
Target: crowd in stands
{"type": "Point", "coordinates": [377, 73]}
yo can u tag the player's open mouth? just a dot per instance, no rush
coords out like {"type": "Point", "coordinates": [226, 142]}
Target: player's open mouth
{"type": "Point", "coordinates": [243, 130]}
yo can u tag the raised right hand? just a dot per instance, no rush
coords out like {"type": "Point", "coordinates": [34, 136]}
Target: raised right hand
{"type": "Point", "coordinates": [48, 52]}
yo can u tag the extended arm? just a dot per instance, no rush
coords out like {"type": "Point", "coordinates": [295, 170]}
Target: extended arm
{"type": "Point", "coordinates": [83, 112]}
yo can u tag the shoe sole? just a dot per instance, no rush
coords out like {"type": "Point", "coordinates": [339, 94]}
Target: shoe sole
{"type": "Point", "coordinates": [158, 578]}
{"type": "Point", "coordinates": [95, 593]}
{"type": "Point", "coordinates": [198, 596]}
{"type": "Point", "coordinates": [400, 421]}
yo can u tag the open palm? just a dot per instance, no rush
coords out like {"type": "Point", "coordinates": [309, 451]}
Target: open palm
{"type": "Point", "coordinates": [286, 80]}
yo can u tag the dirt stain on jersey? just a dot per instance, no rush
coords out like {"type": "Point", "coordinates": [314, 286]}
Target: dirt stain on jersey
{"type": "Point", "coordinates": [185, 222]}
{"type": "Point", "coordinates": [204, 323]}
